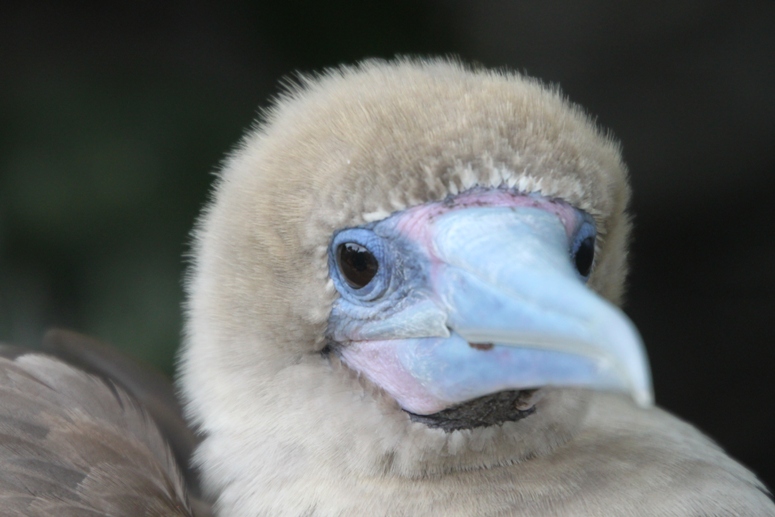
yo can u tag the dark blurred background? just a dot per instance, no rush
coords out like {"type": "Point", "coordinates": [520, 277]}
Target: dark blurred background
{"type": "Point", "coordinates": [113, 118]}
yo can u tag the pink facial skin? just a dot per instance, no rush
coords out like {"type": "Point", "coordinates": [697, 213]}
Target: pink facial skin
{"type": "Point", "coordinates": [378, 361]}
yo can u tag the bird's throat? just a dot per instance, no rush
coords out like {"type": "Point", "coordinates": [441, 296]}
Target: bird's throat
{"type": "Point", "coordinates": [489, 410]}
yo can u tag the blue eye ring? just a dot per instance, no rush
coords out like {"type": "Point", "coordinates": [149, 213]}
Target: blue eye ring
{"type": "Point", "coordinates": [371, 253]}
{"type": "Point", "coordinates": [582, 251]}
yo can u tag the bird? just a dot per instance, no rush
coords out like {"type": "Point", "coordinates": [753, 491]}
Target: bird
{"type": "Point", "coordinates": [404, 300]}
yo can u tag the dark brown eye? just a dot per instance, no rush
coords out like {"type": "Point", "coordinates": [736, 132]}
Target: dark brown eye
{"type": "Point", "coordinates": [585, 255]}
{"type": "Point", "coordinates": [357, 264]}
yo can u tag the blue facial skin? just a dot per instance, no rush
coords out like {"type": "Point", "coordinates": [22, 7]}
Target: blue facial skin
{"type": "Point", "coordinates": [508, 277]}
{"type": "Point", "coordinates": [401, 286]}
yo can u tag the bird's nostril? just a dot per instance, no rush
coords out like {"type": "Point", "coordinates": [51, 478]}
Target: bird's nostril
{"type": "Point", "coordinates": [481, 346]}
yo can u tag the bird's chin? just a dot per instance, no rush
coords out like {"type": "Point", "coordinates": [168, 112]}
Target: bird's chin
{"type": "Point", "coordinates": [489, 410]}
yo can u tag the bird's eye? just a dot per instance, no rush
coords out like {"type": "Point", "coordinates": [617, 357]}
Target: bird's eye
{"type": "Point", "coordinates": [360, 265]}
{"type": "Point", "coordinates": [584, 256]}
{"type": "Point", "coordinates": [582, 250]}
{"type": "Point", "coordinates": [357, 264]}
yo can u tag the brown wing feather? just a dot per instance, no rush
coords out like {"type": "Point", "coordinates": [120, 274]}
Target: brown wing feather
{"type": "Point", "coordinates": [149, 386]}
{"type": "Point", "coordinates": [71, 444]}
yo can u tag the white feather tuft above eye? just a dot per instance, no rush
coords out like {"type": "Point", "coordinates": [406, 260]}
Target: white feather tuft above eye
{"type": "Point", "coordinates": [377, 215]}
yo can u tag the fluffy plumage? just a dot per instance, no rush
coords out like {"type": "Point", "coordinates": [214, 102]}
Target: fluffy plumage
{"type": "Point", "coordinates": [290, 431]}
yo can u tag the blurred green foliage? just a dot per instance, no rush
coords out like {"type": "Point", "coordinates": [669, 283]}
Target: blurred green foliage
{"type": "Point", "coordinates": [101, 183]}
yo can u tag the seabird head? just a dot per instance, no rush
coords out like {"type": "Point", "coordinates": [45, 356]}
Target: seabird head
{"type": "Point", "coordinates": [407, 269]}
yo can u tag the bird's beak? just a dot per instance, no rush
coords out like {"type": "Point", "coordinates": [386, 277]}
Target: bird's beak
{"type": "Point", "coordinates": [507, 311]}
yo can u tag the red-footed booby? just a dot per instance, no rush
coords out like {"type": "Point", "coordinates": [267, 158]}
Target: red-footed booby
{"type": "Point", "coordinates": [404, 302]}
